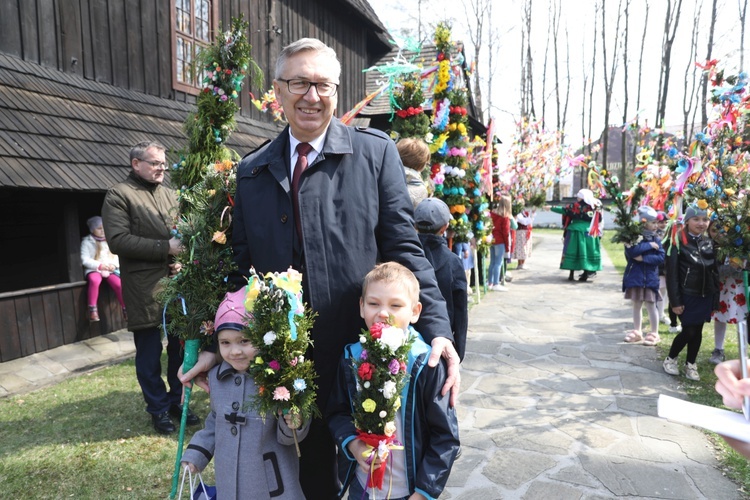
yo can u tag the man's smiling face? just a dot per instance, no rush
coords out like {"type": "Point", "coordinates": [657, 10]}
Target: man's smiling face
{"type": "Point", "coordinates": [308, 114]}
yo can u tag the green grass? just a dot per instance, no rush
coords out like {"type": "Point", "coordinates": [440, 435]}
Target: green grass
{"type": "Point", "coordinates": [90, 437]}
{"type": "Point", "coordinates": [87, 437]}
{"type": "Point", "coordinates": [733, 464]}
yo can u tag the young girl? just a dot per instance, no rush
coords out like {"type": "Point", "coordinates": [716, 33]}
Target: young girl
{"type": "Point", "coordinates": [641, 279]}
{"type": "Point", "coordinates": [522, 250]}
{"type": "Point", "coordinates": [100, 265]}
{"type": "Point", "coordinates": [692, 285]}
{"type": "Point", "coordinates": [501, 216]}
{"type": "Point", "coordinates": [253, 457]}
{"type": "Point", "coordinates": [732, 302]}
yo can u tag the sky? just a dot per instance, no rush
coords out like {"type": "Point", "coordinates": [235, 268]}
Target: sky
{"type": "Point", "coordinates": [575, 41]}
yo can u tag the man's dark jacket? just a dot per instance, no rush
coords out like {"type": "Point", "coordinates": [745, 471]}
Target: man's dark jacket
{"type": "Point", "coordinates": [451, 278]}
{"type": "Point", "coordinates": [355, 212]}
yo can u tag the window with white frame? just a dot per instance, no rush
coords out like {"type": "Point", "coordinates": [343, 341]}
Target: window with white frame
{"type": "Point", "coordinates": [193, 25]}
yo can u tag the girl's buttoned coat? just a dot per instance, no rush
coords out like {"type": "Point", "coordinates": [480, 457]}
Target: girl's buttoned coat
{"type": "Point", "coordinates": [253, 458]}
{"type": "Point", "coordinates": [645, 273]}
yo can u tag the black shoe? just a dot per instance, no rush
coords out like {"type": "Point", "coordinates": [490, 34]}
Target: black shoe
{"type": "Point", "coordinates": [162, 423]}
{"type": "Point", "coordinates": [571, 276]}
{"type": "Point", "coordinates": [176, 412]}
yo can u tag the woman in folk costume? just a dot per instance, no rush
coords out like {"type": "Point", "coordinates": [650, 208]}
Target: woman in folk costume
{"type": "Point", "coordinates": [583, 231]}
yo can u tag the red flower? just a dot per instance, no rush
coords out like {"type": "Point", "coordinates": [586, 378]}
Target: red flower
{"type": "Point", "coordinates": [376, 330]}
{"type": "Point", "coordinates": [365, 371]}
{"type": "Point", "coordinates": [723, 307]}
{"type": "Point", "coordinates": [740, 299]}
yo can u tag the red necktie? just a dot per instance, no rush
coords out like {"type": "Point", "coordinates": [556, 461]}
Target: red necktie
{"type": "Point", "coordinates": [303, 149]}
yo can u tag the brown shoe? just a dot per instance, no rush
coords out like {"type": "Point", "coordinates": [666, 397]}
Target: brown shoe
{"type": "Point", "coordinates": [93, 314]}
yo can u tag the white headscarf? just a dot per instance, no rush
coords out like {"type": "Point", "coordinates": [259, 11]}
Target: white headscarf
{"type": "Point", "coordinates": [588, 197]}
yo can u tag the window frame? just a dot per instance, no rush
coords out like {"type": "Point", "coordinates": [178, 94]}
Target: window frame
{"type": "Point", "coordinates": [212, 30]}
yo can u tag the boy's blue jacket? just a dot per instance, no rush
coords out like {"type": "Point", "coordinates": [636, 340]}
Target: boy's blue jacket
{"type": "Point", "coordinates": [644, 274]}
{"type": "Point", "coordinates": [430, 425]}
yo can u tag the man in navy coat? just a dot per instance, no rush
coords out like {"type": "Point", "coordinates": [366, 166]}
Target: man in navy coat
{"type": "Point", "coordinates": [354, 211]}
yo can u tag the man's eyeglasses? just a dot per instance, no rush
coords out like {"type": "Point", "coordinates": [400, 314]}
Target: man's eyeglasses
{"type": "Point", "coordinates": [156, 164]}
{"type": "Point", "coordinates": [301, 87]}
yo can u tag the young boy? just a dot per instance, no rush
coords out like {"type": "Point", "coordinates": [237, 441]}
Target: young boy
{"type": "Point", "coordinates": [253, 458]}
{"type": "Point", "coordinates": [426, 425]}
{"type": "Point", "coordinates": [431, 218]}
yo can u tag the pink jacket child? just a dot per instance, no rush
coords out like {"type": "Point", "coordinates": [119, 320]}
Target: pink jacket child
{"type": "Point", "coordinates": [100, 264]}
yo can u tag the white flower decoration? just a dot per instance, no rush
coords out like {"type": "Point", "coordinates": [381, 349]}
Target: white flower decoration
{"type": "Point", "coordinates": [389, 389]}
{"type": "Point", "coordinates": [392, 337]}
{"type": "Point", "coordinates": [269, 338]}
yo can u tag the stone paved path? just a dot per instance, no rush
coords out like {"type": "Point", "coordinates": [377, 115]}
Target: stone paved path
{"type": "Point", "coordinates": [555, 406]}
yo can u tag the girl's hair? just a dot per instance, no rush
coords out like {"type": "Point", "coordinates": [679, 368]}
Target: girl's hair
{"type": "Point", "coordinates": [393, 273]}
{"type": "Point", "coordinates": [414, 153]}
{"type": "Point", "coordinates": [503, 207]}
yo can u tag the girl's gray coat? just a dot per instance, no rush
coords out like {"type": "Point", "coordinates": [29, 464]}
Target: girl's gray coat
{"type": "Point", "coordinates": [252, 459]}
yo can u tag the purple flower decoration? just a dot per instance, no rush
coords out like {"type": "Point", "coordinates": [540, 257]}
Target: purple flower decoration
{"type": "Point", "coordinates": [393, 366]}
{"type": "Point", "coordinates": [364, 354]}
{"type": "Point", "coordinates": [274, 365]}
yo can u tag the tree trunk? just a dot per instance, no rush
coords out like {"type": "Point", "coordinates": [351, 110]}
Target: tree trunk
{"type": "Point", "coordinates": [709, 51]}
{"type": "Point", "coordinates": [624, 131]}
{"type": "Point", "coordinates": [609, 79]}
{"type": "Point", "coordinates": [637, 125]}
{"type": "Point", "coordinates": [691, 78]}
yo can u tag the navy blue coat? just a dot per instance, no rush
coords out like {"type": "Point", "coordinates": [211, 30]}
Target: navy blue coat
{"type": "Point", "coordinates": [429, 424]}
{"type": "Point", "coordinates": [643, 274]}
{"type": "Point", "coordinates": [355, 212]}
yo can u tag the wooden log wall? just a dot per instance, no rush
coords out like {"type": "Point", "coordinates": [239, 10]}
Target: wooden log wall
{"type": "Point", "coordinates": [39, 319]}
{"type": "Point", "coordinates": [128, 43]}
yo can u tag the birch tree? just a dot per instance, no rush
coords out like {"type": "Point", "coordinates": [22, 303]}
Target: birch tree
{"type": "Point", "coordinates": [609, 72]}
{"type": "Point", "coordinates": [704, 83]}
{"type": "Point", "coordinates": [692, 87]}
{"type": "Point", "coordinates": [671, 20]}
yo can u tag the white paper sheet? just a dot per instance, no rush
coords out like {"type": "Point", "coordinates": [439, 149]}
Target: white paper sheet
{"type": "Point", "coordinates": [724, 422]}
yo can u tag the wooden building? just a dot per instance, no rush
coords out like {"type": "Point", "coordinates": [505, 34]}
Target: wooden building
{"type": "Point", "coordinates": [81, 81]}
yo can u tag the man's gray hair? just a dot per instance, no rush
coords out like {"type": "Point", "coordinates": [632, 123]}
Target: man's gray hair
{"type": "Point", "coordinates": [139, 149]}
{"type": "Point", "coordinates": [306, 45]}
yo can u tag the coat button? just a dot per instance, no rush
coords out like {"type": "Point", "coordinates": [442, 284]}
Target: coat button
{"type": "Point", "coordinates": [234, 430]}
{"type": "Point", "coordinates": [235, 406]}
{"type": "Point", "coordinates": [237, 380]}
{"type": "Point", "coordinates": [255, 171]}
{"type": "Point", "coordinates": [284, 219]}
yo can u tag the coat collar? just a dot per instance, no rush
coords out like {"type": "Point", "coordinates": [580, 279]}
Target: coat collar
{"type": "Point", "coordinates": [338, 141]}
{"type": "Point", "coordinates": [225, 370]}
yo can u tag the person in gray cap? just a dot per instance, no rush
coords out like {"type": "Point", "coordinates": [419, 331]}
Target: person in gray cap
{"type": "Point", "coordinates": [431, 218]}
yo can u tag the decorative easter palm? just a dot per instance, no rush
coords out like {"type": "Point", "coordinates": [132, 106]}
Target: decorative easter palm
{"type": "Point", "coordinates": [381, 375]}
{"type": "Point", "coordinates": [205, 176]}
{"type": "Point", "coordinates": [279, 327]}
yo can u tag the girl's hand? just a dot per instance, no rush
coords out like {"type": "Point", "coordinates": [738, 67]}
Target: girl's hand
{"type": "Point", "coordinates": [293, 420]}
{"type": "Point", "coordinates": [191, 467]}
{"type": "Point", "coordinates": [678, 310]}
{"type": "Point", "coordinates": [654, 245]}
{"type": "Point", "coordinates": [639, 258]}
